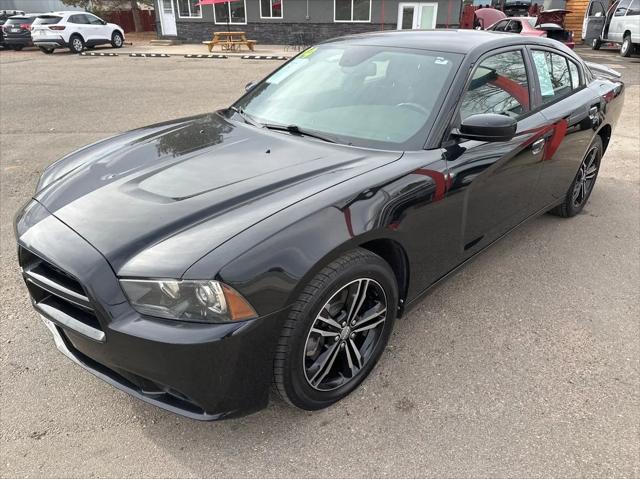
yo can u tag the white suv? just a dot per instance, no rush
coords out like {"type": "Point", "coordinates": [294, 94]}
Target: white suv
{"type": "Point", "coordinates": [74, 30]}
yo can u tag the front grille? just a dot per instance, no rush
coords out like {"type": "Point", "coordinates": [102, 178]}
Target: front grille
{"type": "Point", "coordinates": [59, 296]}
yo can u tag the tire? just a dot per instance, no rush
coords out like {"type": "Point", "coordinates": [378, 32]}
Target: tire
{"type": "Point", "coordinates": [582, 185]}
{"type": "Point", "coordinates": [626, 49]}
{"type": "Point", "coordinates": [596, 44]}
{"type": "Point", "coordinates": [312, 370]}
{"type": "Point", "coordinates": [116, 40]}
{"type": "Point", "coordinates": [76, 44]}
{"type": "Point", "coordinates": [18, 47]}
{"type": "Point", "coordinates": [46, 50]}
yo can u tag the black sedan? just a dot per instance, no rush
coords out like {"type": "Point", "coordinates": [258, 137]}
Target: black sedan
{"type": "Point", "coordinates": [196, 263]}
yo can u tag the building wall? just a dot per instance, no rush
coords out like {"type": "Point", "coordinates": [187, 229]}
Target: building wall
{"type": "Point", "coordinates": [313, 17]}
{"type": "Point", "coordinates": [574, 19]}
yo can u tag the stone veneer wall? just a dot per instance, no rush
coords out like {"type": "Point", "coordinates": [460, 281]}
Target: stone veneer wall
{"type": "Point", "coordinates": [277, 33]}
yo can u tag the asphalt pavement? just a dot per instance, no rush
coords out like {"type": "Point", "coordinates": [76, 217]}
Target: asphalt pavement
{"type": "Point", "coordinates": [523, 364]}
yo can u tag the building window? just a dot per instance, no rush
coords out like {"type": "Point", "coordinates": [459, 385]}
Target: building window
{"type": "Point", "coordinates": [351, 10]}
{"type": "Point", "coordinates": [271, 8]}
{"type": "Point", "coordinates": [188, 9]}
{"type": "Point", "coordinates": [232, 12]}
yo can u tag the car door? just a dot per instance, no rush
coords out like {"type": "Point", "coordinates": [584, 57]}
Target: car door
{"type": "Point", "coordinates": [100, 31]}
{"type": "Point", "coordinates": [594, 19]}
{"type": "Point", "coordinates": [81, 25]}
{"type": "Point", "coordinates": [497, 179]}
{"type": "Point", "coordinates": [571, 111]}
{"type": "Point", "coordinates": [617, 22]}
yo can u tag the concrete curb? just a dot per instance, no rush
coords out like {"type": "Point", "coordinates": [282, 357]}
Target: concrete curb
{"type": "Point", "coordinates": [98, 54]}
{"type": "Point", "coordinates": [202, 55]}
{"type": "Point", "coordinates": [149, 55]}
{"type": "Point", "coordinates": [264, 57]}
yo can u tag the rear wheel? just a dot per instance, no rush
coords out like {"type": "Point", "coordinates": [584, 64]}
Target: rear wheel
{"type": "Point", "coordinates": [46, 50]}
{"type": "Point", "coordinates": [583, 184]}
{"type": "Point", "coordinates": [596, 44]}
{"type": "Point", "coordinates": [627, 47]}
{"type": "Point", "coordinates": [76, 44]}
{"type": "Point", "coordinates": [116, 40]}
{"type": "Point", "coordinates": [336, 331]}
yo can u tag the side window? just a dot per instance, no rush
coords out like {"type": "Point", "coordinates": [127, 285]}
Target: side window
{"type": "Point", "coordinates": [78, 19]}
{"type": "Point", "coordinates": [634, 8]}
{"type": "Point", "coordinates": [575, 75]}
{"type": "Point", "coordinates": [93, 20]}
{"type": "Point", "coordinates": [498, 85]}
{"type": "Point", "coordinates": [514, 27]}
{"type": "Point", "coordinates": [621, 11]}
{"type": "Point", "coordinates": [553, 75]}
{"type": "Point", "coordinates": [500, 26]}
{"type": "Point", "coordinates": [596, 10]}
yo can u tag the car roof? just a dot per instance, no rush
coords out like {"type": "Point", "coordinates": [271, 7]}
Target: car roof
{"type": "Point", "coordinates": [444, 40]}
{"type": "Point", "coordinates": [23, 15]}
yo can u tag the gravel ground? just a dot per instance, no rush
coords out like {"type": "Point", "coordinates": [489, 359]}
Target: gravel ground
{"type": "Point", "coordinates": [524, 364]}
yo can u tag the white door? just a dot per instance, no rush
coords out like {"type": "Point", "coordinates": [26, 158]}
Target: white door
{"type": "Point", "coordinates": [168, 18]}
{"type": "Point", "coordinates": [417, 16]}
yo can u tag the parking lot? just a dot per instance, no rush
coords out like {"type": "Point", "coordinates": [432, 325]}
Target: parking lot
{"type": "Point", "coordinates": [526, 363]}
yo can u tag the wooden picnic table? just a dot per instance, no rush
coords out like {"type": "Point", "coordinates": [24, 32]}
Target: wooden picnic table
{"type": "Point", "coordinates": [229, 41]}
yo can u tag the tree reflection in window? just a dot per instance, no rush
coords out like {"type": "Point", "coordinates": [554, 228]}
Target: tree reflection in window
{"type": "Point", "coordinates": [499, 85]}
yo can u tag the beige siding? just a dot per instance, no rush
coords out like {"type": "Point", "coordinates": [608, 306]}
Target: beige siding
{"type": "Point", "coordinates": [574, 19]}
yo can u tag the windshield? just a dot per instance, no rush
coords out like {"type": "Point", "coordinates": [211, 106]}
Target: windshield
{"type": "Point", "coordinates": [376, 97]}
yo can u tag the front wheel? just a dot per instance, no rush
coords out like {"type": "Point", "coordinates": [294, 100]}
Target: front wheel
{"type": "Point", "coordinates": [336, 331]}
{"type": "Point", "coordinates": [596, 44]}
{"type": "Point", "coordinates": [46, 50]}
{"type": "Point", "coordinates": [583, 183]}
{"type": "Point", "coordinates": [627, 47]}
{"type": "Point", "coordinates": [116, 40]}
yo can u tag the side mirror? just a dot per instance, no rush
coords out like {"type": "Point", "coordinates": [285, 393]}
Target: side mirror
{"type": "Point", "coordinates": [249, 86]}
{"type": "Point", "coordinates": [488, 127]}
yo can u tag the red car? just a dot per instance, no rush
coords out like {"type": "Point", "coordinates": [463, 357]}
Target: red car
{"type": "Point", "coordinates": [549, 23]}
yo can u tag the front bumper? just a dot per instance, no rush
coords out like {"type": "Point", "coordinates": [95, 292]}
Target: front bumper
{"type": "Point", "coordinates": [203, 371]}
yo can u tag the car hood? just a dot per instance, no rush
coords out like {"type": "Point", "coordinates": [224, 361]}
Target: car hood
{"type": "Point", "coordinates": [155, 200]}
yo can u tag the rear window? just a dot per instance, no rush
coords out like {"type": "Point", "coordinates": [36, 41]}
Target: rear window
{"type": "Point", "coordinates": [19, 20]}
{"type": "Point", "coordinates": [49, 20]}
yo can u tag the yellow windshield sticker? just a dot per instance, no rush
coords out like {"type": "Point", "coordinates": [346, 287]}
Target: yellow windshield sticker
{"type": "Point", "coordinates": [307, 53]}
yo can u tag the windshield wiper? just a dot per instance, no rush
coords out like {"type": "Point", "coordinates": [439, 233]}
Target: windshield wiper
{"type": "Point", "coordinates": [247, 118]}
{"type": "Point", "coordinates": [296, 130]}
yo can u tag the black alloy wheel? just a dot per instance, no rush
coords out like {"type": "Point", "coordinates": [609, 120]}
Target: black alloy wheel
{"type": "Point", "coordinates": [583, 183]}
{"type": "Point", "coordinates": [336, 331]}
{"type": "Point", "coordinates": [344, 334]}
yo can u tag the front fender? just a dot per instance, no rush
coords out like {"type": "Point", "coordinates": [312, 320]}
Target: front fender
{"type": "Point", "coordinates": [276, 258]}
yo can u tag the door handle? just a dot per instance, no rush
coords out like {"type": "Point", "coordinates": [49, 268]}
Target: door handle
{"type": "Point", "coordinates": [537, 146]}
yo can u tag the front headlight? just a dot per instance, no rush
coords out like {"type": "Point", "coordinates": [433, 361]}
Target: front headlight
{"type": "Point", "coordinates": [201, 301]}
